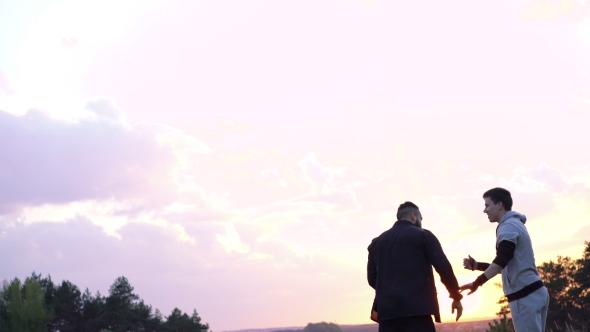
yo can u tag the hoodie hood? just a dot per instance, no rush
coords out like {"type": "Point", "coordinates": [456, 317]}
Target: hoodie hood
{"type": "Point", "coordinates": [513, 214]}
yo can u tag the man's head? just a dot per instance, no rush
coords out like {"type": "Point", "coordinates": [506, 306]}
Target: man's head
{"type": "Point", "coordinates": [410, 212]}
{"type": "Point", "coordinates": [497, 202]}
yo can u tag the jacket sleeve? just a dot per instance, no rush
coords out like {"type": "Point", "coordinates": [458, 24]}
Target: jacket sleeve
{"type": "Point", "coordinates": [482, 266]}
{"type": "Point", "coordinates": [371, 266]}
{"type": "Point", "coordinates": [504, 253]}
{"type": "Point", "coordinates": [438, 259]}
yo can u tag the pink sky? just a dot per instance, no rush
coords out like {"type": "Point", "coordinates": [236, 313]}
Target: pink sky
{"type": "Point", "coordinates": [238, 157]}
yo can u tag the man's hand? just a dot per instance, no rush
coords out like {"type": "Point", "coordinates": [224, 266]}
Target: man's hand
{"type": "Point", "coordinates": [457, 305]}
{"type": "Point", "coordinates": [374, 316]}
{"type": "Point", "coordinates": [469, 286]}
{"type": "Point", "coordinates": [469, 263]}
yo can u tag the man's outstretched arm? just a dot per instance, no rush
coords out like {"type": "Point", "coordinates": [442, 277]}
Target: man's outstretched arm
{"type": "Point", "coordinates": [470, 263]}
{"type": "Point", "coordinates": [438, 259]}
{"type": "Point", "coordinates": [504, 254]}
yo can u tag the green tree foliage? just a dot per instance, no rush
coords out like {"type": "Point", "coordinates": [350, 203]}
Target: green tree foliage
{"type": "Point", "coordinates": [26, 310]}
{"type": "Point", "coordinates": [4, 300]}
{"type": "Point", "coordinates": [322, 327]}
{"type": "Point", "coordinates": [40, 305]}
{"type": "Point", "coordinates": [93, 311]}
{"type": "Point", "coordinates": [119, 307]}
{"type": "Point", "coordinates": [67, 307]}
{"type": "Point", "coordinates": [568, 283]}
{"type": "Point", "coordinates": [145, 318]}
{"type": "Point", "coordinates": [504, 325]}
{"type": "Point", "coordinates": [582, 292]}
{"type": "Point", "coordinates": [503, 302]}
{"type": "Point", "coordinates": [179, 322]}
{"type": "Point", "coordinates": [48, 288]}
{"type": "Point", "coordinates": [15, 312]}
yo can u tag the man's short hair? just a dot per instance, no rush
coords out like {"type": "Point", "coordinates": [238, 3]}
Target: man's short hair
{"type": "Point", "coordinates": [500, 195]}
{"type": "Point", "coordinates": [405, 210]}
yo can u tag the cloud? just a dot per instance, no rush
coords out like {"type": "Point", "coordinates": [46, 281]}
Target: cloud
{"type": "Point", "coordinates": [5, 86]}
{"type": "Point", "coordinates": [274, 174]}
{"type": "Point", "coordinates": [200, 275]}
{"type": "Point", "coordinates": [250, 213]}
{"type": "Point", "coordinates": [159, 206]}
{"type": "Point", "coordinates": [325, 178]}
{"type": "Point", "coordinates": [213, 255]}
{"type": "Point", "coordinates": [48, 161]}
{"type": "Point", "coordinates": [330, 191]}
{"type": "Point", "coordinates": [536, 179]}
{"type": "Point", "coordinates": [231, 240]}
{"type": "Point", "coordinates": [556, 9]}
{"type": "Point", "coordinates": [104, 108]}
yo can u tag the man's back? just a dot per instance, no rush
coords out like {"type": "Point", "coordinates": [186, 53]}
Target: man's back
{"type": "Point", "coordinates": [400, 270]}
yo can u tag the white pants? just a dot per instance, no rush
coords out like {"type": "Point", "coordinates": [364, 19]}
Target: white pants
{"type": "Point", "coordinates": [529, 314]}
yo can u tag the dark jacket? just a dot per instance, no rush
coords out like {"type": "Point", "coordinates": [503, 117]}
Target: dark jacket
{"type": "Point", "coordinates": [400, 271]}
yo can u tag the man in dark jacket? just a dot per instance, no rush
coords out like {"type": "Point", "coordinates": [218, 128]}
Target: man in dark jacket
{"type": "Point", "coordinates": [400, 271]}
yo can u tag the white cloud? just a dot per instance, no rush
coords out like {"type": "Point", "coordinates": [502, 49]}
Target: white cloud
{"type": "Point", "coordinates": [182, 235]}
{"type": "Point", "coordinates": [536, 179]}
{"type": "Point", "coordinates": [274, 174]}
{"type": "Point", "coordinates": [259, 255]}
{"type": "Point", "coordinates": [331, 191]}
{"type": "Point", "coordinates": [323, 177]}
{"type": "Point", "coordinates": [105, 108]}
{"type": "Point", "coordinates": [556, 9]}
{"type": "Point", "coordinates": [48, 161]}
{"type": "Point", "coordinates": [231, 240]}
{"type": "Point", "coordinates": [60, 41]}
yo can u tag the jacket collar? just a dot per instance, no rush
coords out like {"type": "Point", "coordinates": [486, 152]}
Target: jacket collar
{"type": "Point", "coordinates": [403, 222]}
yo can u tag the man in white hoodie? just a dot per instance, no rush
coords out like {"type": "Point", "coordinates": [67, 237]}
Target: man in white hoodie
{"type": "Point", "coordinates": [527, 296]}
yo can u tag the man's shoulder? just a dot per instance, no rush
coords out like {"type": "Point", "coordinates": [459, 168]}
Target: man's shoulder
{"type": "Point", "coordinates": [427, 232]}
{"type": "Point", "coordinates": [406, 230]}
{"type": "Point", "coordinates": [373, 242]}
{"type": "Point", "coordinates": [510, 224]}
{"type": "Point", "coordinates": [511, 229]}
{"type": "Point", "coordinates": [385, 234]}
{"type": "Point", "coordinates": [428, 235]}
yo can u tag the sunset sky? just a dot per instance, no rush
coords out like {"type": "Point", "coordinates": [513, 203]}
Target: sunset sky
{"type": "Point", "coordinates": [237, 157]}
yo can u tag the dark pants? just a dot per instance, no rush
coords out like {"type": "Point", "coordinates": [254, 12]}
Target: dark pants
{"type": "Point", "coordinates": [408, 324]}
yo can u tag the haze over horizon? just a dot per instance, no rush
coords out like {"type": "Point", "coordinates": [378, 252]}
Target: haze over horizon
{"type": "Point", "coordinates": [239, 157]}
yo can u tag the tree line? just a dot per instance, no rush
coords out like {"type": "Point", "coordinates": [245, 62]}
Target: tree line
{"type": "Point", "coordinates": [40, 305]}
{"type": "Point", "coordinates": [568, 283]}
{"type": "Point", "coordinates": [317, 327]}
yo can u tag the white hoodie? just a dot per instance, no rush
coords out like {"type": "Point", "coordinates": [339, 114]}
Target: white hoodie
{"type": "Point", "coordinates": [521, 269]}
